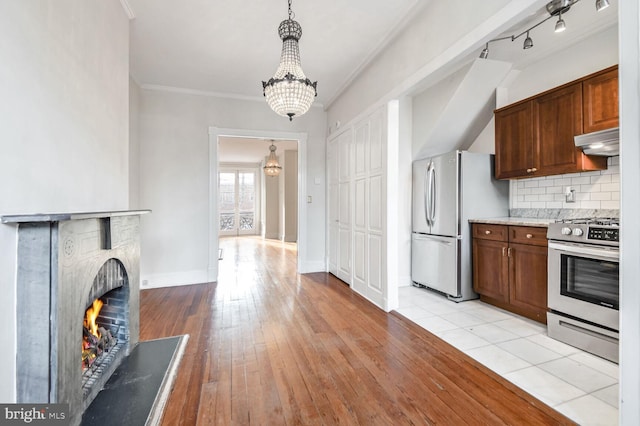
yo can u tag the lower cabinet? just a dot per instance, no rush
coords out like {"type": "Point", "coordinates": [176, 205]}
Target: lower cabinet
{"type": "Point", "coordinates": [510, 268]}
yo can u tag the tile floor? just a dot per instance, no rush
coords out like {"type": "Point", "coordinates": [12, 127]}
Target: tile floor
{"type": "Point", "coordinates": [582, 386]}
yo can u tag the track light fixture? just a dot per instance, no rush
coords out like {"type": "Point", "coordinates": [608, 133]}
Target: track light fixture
{"type": "Point", "coordinates": [528, 42]}
{"type": "Point", "coordinates": [554, 8]}
{"type": "Point", "coordinates": [485, 52]}
{"type": "Point", "coordinates": [560, 25]}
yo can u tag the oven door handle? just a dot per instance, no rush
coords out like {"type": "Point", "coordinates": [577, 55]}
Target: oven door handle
{"type": "Point", "coordinates": [585, 251]}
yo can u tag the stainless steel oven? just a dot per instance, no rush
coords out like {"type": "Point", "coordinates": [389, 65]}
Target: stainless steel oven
{"type": "Point", "coordinates": [583, 285]}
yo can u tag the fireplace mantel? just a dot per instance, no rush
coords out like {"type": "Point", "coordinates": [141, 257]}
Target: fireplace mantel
{"type": "Point", "coordinates": [59, 257]}
{"type": "Point", "coordinates": [58, 217]}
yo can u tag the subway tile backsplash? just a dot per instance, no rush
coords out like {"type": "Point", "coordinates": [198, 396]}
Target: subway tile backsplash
{"type": "Point", "coordinates": [593, 190]}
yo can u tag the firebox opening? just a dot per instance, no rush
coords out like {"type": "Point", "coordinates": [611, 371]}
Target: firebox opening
{"type": "Point", "coordinates": [105, 326]}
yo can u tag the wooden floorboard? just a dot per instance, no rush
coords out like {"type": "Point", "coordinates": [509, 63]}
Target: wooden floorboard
{"type": "Point", "coordinates": [268, 346]}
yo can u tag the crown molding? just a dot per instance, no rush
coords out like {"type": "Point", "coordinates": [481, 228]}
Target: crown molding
{"type": "Point", "coordinates": [396, 29]}
{"type": "Point", "coordinates": [127, 9]}
{"type": "Point", "coordinates": [223, 95]}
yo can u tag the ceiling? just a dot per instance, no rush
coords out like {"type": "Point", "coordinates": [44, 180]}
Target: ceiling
{"type": "Point", "coordinates": [250, 150]}
{"type": "Point", "coordinates": [228, 47]}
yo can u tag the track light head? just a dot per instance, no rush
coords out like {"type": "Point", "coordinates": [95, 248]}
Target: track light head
{"type": "Point", "coordinates": [602, 4]}
{"type": "Point", "coordinates": [560, 25]}
{"type": "Point", "coordinates": [528, 42]}
{"type": "Point", "coordinates": [485, 52]}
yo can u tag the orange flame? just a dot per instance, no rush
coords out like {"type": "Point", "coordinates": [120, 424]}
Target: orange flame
{"type": "Point", "coordinates": [90, 318]}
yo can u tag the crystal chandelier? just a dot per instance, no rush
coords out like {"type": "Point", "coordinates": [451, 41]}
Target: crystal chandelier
{"type": "Point", "coordinates": [272, 168]}
{"type": "Point", "coordinates": [289, 92]}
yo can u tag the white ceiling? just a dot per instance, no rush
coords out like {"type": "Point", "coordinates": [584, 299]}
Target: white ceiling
{"type": "Point", "coordinates": [229, 47]}
{"type": "Point", "coordinates": [250, 150]}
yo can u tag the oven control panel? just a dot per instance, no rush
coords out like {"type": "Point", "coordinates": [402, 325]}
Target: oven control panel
{"type": "Point", "coordinates": [603, 234]}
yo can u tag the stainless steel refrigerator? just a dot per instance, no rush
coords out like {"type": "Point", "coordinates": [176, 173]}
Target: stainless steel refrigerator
{"type": "Point", "coordinates": [448, 190]}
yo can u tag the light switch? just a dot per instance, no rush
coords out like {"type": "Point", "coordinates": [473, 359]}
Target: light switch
{"type": "Point", "coordinates": [309, 200]}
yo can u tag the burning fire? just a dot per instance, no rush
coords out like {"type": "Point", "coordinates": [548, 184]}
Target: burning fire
{"type": "Point", "coordinates": [96, 340]}
{"type": "Point", "coordinates": [90, 317]}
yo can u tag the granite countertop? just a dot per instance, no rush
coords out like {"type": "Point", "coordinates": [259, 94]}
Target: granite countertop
{"type": "Point", "coordinates": [522, 221]}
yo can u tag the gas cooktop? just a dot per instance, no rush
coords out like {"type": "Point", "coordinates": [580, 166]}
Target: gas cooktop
{"type": "Point", "coordinates": [601, 231]}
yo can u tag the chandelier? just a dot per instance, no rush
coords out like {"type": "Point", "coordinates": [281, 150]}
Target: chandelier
{"type": "Point", "coordinates": [272, 168]}
{"type": "Point", "coordinates": [289, 92]}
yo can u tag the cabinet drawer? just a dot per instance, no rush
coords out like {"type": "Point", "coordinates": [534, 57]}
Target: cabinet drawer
{"type": "Point", "coordinates": [528, 235]}
{"type": "Point", "coordinates": [490, 232]}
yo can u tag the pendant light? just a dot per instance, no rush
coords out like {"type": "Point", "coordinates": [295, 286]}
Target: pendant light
{"type": "Point", "coordinates": [560, 25]}
{"type": "Point", "coordinates": [289, 92]}
{"type": "Point", "coordinates": [272, 168]}
{"type": "Point", "coordinates": [528, 42]}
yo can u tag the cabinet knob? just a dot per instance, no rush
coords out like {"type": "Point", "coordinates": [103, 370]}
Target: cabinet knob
{"type": "Point", "coordinates": [487, 232]}
{"type": "Point", "coordinates": [529, 236]}
{"type": "Point", "coordinates": [532, 170]}
{"type": "Point", "coordinates": [504, 251]}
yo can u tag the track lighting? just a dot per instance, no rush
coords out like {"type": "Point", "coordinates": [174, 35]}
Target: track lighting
{"type": "Point", "coordinates": [554, 8]}
{"type": "Point", "coordinates": [560, 25]}
{"type": "Point", "coordinates": [602, 4]}
{"type": "Point", "coordinates": [528, 42]}
{"type": "Point", "coordinates": [485, 52]}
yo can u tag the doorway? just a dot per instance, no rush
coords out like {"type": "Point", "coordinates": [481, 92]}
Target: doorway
{"type": "Point", "coordinates": [301, 185]}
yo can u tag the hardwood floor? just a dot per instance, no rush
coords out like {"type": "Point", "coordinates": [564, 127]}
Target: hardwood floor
{"type": "Point", "coordinates": [268, 346]}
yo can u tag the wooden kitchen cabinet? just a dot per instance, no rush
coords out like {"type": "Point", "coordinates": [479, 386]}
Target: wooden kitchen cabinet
{"type": "Point", "coordinates": [601, 106]}
{"type": "Point", "coordinates": [534, 137]}
{"type": "Point", "coordinates": [510, 268]}
{"type": "Point", "coordinates": [514, 141]}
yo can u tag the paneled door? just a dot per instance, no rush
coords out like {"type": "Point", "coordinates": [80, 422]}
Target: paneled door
{"type": "Point", "coordinates": [237, 202]}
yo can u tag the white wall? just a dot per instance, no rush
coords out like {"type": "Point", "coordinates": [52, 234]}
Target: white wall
{"type": "Point", "coordinates": [435, 38]}
{"type": "Point", "coordinates": [64, 133]}
{"type": "Point", "coordinates": [290, 200]}
{"type": "Point", "coordinates": [134, 145]}
{"type": "Point", "coordinates": [174, 178]}
{"type": "Point", "coordinates": [590, 55]}
{"type": "Point", "coordinates": [630, 194]}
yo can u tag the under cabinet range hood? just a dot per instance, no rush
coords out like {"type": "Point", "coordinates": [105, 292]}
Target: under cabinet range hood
{"type": "Point", "coordinates": [605, 142]}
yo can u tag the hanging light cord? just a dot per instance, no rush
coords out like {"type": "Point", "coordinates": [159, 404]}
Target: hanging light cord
{"type": "Point", "coordinates": [291, 14]}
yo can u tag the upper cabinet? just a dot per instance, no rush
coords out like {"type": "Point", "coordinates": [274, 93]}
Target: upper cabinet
{"type": "Point", "coordinates": [534, 137]}
{"type": "Point", "coordinates": [600, 93]}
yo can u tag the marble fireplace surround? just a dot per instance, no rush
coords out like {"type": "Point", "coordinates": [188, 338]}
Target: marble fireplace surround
{"type": "Point", "coordinates": [58, 259]}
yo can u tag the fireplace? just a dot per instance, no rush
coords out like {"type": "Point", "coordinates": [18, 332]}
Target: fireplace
{"type": "Point", "coordinates": [68, 264]}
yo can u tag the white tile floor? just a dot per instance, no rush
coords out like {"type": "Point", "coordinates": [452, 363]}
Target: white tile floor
{"type": "Point", "coordinates": [582, 386]}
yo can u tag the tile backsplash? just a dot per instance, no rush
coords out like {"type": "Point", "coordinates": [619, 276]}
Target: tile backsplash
{"type": "Point", "coordinates": [593, 190]}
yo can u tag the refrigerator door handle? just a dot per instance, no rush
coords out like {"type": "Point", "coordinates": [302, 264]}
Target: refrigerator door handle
{"type": "Point", "coordinates": [425, 199]}
{"type": "Point", "coordinates": [432, 194]}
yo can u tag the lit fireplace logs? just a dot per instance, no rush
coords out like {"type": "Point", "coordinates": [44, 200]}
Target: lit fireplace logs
{"type": "Point", "coordinates": [96, 340]}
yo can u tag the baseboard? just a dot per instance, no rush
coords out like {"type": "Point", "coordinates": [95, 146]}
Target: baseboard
{"type": "Point", "coordinates": [309, 267]}
{"type": "Point", "coordinates": [173, 279]}
{"type": "Point", "coordinates": [405, 281]}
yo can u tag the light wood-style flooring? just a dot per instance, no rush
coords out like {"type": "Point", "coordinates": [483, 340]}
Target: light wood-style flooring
{"type": "Point", "coordinates": [270, 347]}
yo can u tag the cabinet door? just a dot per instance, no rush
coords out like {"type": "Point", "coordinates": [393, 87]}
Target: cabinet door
{"type": "Point", "coordinates": [600, 103]}
{"type": "Point", "coordinates": [514, 141]}
{"type": "Point", "coordinates": [528, 279]}
{"type": "Point", "coordinates": [557, 119]}
{"type": "Point", "coordinates": [491, 269]}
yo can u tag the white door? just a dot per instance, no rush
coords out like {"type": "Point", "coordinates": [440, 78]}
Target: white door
{"type": "Point", "coordinates": [237, 202]}
{"type": "Point", "coordinates": [345, 172]}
